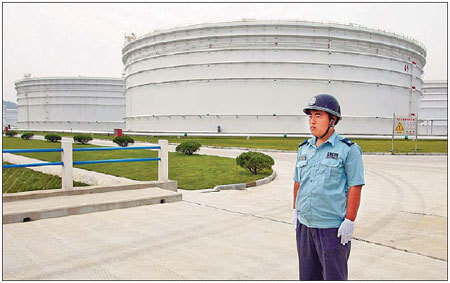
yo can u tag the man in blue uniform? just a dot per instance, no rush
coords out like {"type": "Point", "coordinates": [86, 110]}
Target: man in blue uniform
{"type": "Point", "coordinates": [328, 178]}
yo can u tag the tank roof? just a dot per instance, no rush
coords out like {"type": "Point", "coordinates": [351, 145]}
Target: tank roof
{"type": "Point", "coordinates": [245, 22]}
{"type": "Point", "coordinates": [67, 78]}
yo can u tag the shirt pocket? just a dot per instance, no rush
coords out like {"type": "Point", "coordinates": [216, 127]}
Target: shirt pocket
{"type": "Point", "coordinates": [301, 169]}
{"type": "Point", "coordinates": [332, 169]}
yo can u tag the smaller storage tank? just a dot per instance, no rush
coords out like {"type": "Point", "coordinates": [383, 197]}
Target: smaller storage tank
{"type": "Point", "coordinates": [433, 108]}
{"type": "Point", "coordinates": [70, 103]}
{"type": "Point", "coordinates": [9, 117]}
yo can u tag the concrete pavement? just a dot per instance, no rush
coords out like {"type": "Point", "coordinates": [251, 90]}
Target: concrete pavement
{"type": "Point", "coordinates": [400, 234]}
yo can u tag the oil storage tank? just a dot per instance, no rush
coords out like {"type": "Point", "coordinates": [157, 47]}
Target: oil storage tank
{"type": "Point", "coordinates": [254, 77]}
{"type": "Point", "coordinates": [70, 103]}
{"type": "Point", "coordinates": [433, 108]}
{"type": "Point", "coordinates": [9, 117]}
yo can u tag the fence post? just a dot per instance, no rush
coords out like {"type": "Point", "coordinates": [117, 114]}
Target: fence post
{"type": "Point", "coordinates": [163, 164]}
{"type": "Point", "coordinates": [67, 167]}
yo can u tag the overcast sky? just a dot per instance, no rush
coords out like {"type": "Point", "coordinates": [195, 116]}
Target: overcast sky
{"type": "Point", "coordinates": [63, 39]}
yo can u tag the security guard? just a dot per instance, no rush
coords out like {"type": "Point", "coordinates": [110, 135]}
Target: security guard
{"type": "Point", "coordinates": [328, 178]}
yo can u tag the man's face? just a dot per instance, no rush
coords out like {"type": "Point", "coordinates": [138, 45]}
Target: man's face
{"type": "Point", "coordinates": [318, 122]}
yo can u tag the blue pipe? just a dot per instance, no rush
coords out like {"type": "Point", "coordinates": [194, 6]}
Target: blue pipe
{"type": "Point", "coordinates": [33, 150]}
{"type": "Point", "coordinates": [115, 148]}
{"type": "Point", "coordinates": [114, 160]}
{"type": "Point", "coordinates": [31, 164]}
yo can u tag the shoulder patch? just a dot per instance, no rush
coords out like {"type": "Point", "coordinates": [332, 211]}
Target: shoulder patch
{"type": "Point", "coordinates": [347, 141]}
{"type": "Point", "coordinates": [304, 142]}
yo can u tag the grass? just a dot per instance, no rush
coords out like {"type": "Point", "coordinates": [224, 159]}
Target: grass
{"type": "Point", "coordinates": [191, 172]}
{"type": "Point", "coordinates": [367, 145]}
{"type": "Point", "coordinates": [402, 146]}
{"type": "Point", "coordinates": [23, 179]}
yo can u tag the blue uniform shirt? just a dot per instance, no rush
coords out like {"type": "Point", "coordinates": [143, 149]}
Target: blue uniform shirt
{"type": "Point", "coordinates": [325, 175]}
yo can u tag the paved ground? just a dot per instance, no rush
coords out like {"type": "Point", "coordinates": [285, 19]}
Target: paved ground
{"type": "Point", "coordinates": [401, 232]}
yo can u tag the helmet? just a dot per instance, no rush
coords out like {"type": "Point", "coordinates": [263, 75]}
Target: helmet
{"type": "Point", "coordinates": [324, 102]}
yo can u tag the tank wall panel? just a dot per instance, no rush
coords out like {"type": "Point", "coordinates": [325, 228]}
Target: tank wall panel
{"type": "Point", "coordinates": [257, 97]}
{"type": "Point", "coordinates": [428, 113]}
{"type": "Point", "coordinates": [434, 96]}
{"type": "Point", "coordinates": [227, 56]}
{"type": "Point", "coordinates": [433, 103]}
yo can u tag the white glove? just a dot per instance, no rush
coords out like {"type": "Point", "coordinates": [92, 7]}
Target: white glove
{"type": "Point", "coordinates": [345, 231]}
{"type": "Point", "coordinates": [294, 218]}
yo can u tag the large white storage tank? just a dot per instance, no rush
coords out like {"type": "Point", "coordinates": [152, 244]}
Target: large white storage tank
{"type": "Point", "coordinates": [255, 77]}
{"type": "Point", "coordinates": [433, 108]}
{"type": "Point", "coordinates": [70, 104]}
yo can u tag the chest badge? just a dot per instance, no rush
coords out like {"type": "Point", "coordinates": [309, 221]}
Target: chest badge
{"type": "Point", "coordinates": [332, 155]}
{"type": "Point", "coordinates": [302, 158]}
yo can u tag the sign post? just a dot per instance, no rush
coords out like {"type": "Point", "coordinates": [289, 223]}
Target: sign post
{"type": "Point", "coordinates": [417, 122]}
{"type": "Point", "coordinates": [393, 129]}
{"type": "Point", "coordinates": [404, 125]}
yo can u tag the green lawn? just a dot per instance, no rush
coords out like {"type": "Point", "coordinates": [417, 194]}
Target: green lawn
{"type": "Point", "coordinates": [367, 145]}
{"type": "Point", "coordinates": [191, 172]}
{"type": "Point", "coordinates": [24, 179]}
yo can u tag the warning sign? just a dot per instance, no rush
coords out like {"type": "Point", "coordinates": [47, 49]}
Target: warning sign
{"type": "Point", "coordinates": [405, 125]}
{"type": "Point", "coordinates": [400, 129]}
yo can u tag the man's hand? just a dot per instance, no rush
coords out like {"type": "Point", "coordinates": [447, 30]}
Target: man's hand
{"type": "Point", "coordinates": [294, 218]}
{"type": "Point", "coordinates": [345, 231]}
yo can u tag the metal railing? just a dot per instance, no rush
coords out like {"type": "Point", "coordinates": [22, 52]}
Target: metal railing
{"type": "Point", "coordinates": [67, 159]}
{"type": "Point", "coordinates": [32, 164]}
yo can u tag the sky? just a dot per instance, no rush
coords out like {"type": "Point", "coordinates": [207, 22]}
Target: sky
{"type": "Point", "coordinates": [86, 39]}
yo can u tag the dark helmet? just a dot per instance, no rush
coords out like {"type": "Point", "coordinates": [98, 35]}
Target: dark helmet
{"type": "Point", "coordinates": [324, 102]}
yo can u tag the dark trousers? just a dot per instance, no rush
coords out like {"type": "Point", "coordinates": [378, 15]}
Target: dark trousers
{"type": "Point", "coordinates": [321, 256]}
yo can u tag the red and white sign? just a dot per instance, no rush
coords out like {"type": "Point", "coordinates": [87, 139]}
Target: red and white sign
{"type": "Point", "coordinates": [405, 125]}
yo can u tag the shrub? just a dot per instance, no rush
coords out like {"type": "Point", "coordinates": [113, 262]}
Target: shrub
{"type": "Point", "coordinates": [254, 161]}
{"type": "Point", "coordinates": [123, 141]}
{"type": "Point", "coordinates": [11, 134]}
{"type": "Point", "coordinates": [83, 139]}
{"type": "Point", "coordinates": [52, 138]}
{"type": "Point", "coordinates": [27, 136]}
{"type": "Point", "coordinates": [188, 147]}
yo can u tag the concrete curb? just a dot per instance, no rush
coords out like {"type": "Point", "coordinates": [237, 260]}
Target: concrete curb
{"type": "Point", "coordinates": [170, 186]}
{"type": "Point", "coordinates": [243, 186]}
{"type": "Point", "coordinates": [33, 215]}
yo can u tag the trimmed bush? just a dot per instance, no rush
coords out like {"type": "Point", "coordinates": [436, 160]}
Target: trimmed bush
{"type": "Point", "coordinates": [52, 138]}
{"type": "Point", "coordinates": [123, 141]}
{"type": "Point", "coordinates": [254, 161]}
{"type": "Point", "coordinates": [188, 147]}
{"type": "Point", "coordinates": [11, 134]}
{"type": "Point", "coordinates": [83, 139]}
{"type": "Point", "coordinates": [27, 136]}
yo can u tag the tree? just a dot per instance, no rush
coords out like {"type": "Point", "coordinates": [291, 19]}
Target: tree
{"type": "Point", "coordinates": [83, 139]}
{"type": "Point", "coordinates": [123, 141]}
{"type": "Point", "coordinates": [188, 147]}
{"type": "Point", "coordinates": [254, 161]}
